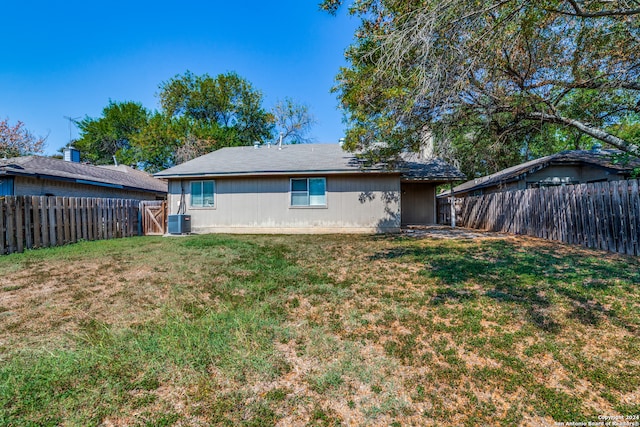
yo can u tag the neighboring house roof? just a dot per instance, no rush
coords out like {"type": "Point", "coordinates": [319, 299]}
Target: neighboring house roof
{"type": "Point", "coordinates": [598, 158]}
{"type": "Point", "coordinates": [302, 159]}
{"type": "Point", "coordinates": [122, 177]}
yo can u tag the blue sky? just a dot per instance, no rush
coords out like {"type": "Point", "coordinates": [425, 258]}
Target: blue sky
{"type": "Point", "coordinates": [70, 58]}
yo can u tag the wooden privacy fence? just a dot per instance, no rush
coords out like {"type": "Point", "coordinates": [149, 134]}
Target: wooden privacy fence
{"type": "Point", "coordinates": [29, 222]}
{"type": "Point", "coordinates": [603, 215]}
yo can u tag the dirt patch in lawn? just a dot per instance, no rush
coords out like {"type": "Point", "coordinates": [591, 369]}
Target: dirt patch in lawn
{"type": "Point", "coordinates": [444, 232]}
{"type": "Point", "coordinates": [50, 300]}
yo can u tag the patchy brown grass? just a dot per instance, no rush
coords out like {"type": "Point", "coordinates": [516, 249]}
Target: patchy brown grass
{"type": "Point", "coordinates": [326, 330]}
{"type": "Point", "coordinates": [49, 300]}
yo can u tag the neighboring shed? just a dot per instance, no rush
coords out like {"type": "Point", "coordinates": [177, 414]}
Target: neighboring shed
{"type": "Point", "coordinates": [565, 168]}
{"type": "Point", "coordinates": [46, 176]}
{"type": "Point", "coordinates": [306, 188]}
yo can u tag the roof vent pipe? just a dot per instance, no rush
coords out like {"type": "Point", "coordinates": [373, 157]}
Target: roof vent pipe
{"type": "Point", "coordinates": [341, 142]}
{"type": "Point", "coordinates": [256, 144]}
{"type": "Point", "coordinates": [280, 142]}
{"type": "Point", "coordinates": [115, 161]}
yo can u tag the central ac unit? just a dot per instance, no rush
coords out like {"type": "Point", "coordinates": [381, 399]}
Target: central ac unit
{"type": "Point", "coordinates": [179, 224]}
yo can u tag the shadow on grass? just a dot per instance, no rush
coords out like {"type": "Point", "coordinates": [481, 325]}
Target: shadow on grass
{"type": "Point", "coordinates": [535, 279]}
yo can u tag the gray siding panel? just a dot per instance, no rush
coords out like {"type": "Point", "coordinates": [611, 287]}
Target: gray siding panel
{"type": "Point", "coordinates": [262, 205]}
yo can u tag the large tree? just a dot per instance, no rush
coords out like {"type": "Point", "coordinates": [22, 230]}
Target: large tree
{"type": "Point", "coordinates": [112, 134]}
{"type": "Point", "coordinates": [167, 141]}
{"type": "Point", "coordinates": [16, 140]}
{"type": "Point", "coordinates": [492, 77]}
{"type": "Point", "coordinates": [198, 114]}
{"type": "Point", "coordinates": [227, 101]}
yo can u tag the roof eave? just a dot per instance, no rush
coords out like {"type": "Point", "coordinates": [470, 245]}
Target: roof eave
{"type": "Point", "coordinates": [81, 181]}
{"type": "Point", "coordinates": [435, 180]}
{"type": "Point", "coordinates": [274, 173]}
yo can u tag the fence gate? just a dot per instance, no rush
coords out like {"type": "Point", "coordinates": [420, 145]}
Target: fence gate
{"type": "Point", "coordinates": [154, 217]}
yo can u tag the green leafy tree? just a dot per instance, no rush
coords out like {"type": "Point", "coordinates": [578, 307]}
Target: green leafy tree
{"type": "Point", "coordinates": [167, 141]}
{"type": "Point", "coordinates": [16, 140]}
{"type": "Point", "coordinates": [227, 101]}
{"type": "Point", "coordinates": [198, 114]}
{"type": "Point", "coordinates": [154, 146]}
{"type": "Point", "coordinates": [491, 79]}
{"type": "Point", "coordinates": [112, 134]}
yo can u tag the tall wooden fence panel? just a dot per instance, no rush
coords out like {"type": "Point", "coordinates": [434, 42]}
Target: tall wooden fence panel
{"type": "Point", "coordinates": [603, 215]}
{"type": "Point", "coordinates": [30, 222]}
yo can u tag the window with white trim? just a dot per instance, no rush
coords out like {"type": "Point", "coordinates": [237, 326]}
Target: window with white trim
{"type": "Point", "coordinates": [203, 194]}
{"type": "Point", "coordinates": [308, 191]}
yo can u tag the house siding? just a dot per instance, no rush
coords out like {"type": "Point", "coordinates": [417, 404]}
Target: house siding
{"type": "Point", "coordinates": [418, 203]}
{"type": "Point", "coordinates": [582, 174]}
{"type": "Point", "coordinates": [354, 204]}
{"type": "Point", "coordinates": [27, 186]}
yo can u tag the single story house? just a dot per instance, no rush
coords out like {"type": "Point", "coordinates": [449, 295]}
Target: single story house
{"type": "Point", "coordinates": [46, 176]}
{"type": "Point", "coordinates": [305, 188]}
{"type": "Point", "coordinates": [564, 168]}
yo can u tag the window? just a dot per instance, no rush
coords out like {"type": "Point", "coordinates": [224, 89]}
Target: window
{"type": "Point", "coordinates": [202, 194]}
{"type": "Point", "coordinates": [6, 187]}
{"type": "Point", "coordinates": [308, 192]}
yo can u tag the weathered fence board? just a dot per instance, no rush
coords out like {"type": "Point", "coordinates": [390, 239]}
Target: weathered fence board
{"type": "Point", "coordinates": [19, 224]}
{"type": "Point", "coordinates": [11, 225]}
{"type": "Point", "coordinates": [3, 223]}
{"type": "Point", "coordinates": [634, 216]}
{"type": "Point", "coordinates": [28, 222]}
{"type": "Point", "coordinates": [602, 215]}
{"type": "Point", "coordinates": [44, 221]}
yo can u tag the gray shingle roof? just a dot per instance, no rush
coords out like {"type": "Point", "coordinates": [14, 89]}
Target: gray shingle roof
{"type": "Point", "coordinates": [301, 159]}
{"type": "Point", "coordinates": [414, 167]}
{"type": "Point", "coordinates": [598, 158]}
{"type": "Point", "coordinates": [119, 177]}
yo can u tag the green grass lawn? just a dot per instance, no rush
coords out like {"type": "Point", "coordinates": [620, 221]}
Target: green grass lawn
{"type": "Point", "coordinates": [317, 330]}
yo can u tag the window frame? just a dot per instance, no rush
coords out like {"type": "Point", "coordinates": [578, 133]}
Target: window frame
{"type": "Point", "coordinates": [307, 192]}
{"type": "Point", "coordinates": [202, 194]}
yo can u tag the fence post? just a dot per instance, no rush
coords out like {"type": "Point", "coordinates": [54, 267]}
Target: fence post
{"type": "Point", "coordinates": [44, 221]}
{"type": "Point", "coordinates": [453, 207]}
{"type": "Point", "coordinates": [3, 234]}
{"type": "Point", "coordinates": [28, 223]}
{"type": "Point", "coordinates": [20, 223]}
{"type": "Point", "coordinates": [11, 224]}
{"type": "Point", "coordinates": [72, 219]}
{"type": "Point", "coordinates": [634, 216]}
{"type": "Point", "coordinates": [37, 230]}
